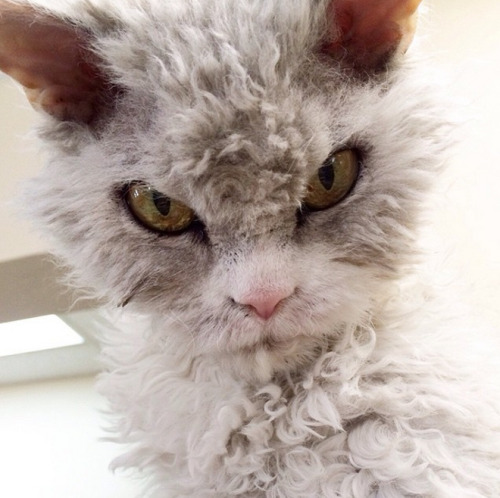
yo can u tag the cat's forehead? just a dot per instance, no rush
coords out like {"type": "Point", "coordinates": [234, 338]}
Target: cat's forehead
{"type": "Point", "coordinates": [226, 82]}
{"type": "Point", "coordinates": [216, 151]}
{"type": "Point", "coordinates": [253, 156]}
{"type": "Point", "coordinates": [254, 163]}
{"type": "Point", "coordinates": [217, 65]}
{"type": "Point", "coordinates": [277, 134]}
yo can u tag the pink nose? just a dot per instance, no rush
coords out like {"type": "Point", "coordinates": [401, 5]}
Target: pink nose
{"type": "Point", "coordinates": [264, 303]}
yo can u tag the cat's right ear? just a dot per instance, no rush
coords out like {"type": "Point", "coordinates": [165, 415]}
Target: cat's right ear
{"type": "Point", "coordinates": [51, 58]}
{"type": "Point", "coordinates": [368, 34]}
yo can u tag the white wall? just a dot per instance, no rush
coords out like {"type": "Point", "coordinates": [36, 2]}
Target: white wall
{"type": "Point", "coordinates": [464, 39]}
{"type": "Point", "coordinates": [18, 160]}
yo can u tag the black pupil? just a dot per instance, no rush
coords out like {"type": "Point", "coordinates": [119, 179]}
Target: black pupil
{"type": "Point", "coordinates": [162, 203]}
{"type": "Point", "coordinates": [326, 175]}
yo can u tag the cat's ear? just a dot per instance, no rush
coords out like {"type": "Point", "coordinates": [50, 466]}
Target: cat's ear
{"type": "Point", "coordinates": [51, 59]}
{"type": "Point", "coordinates": [367, 34]}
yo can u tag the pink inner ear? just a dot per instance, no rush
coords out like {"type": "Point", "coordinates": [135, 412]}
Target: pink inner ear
{"type": "Point", "coordinates": [366, 33]}
{"type": "Point", "coordinates": [50, 58]}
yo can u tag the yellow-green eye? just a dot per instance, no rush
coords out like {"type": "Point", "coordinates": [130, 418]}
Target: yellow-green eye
{"type": "Point", "coordinates": [156, 211]}
{"type": "Point", "coordinates": [333, 181]}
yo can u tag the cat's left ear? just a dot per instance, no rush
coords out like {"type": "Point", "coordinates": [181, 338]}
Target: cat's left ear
{"type": "Point", "coordinates": [368, 34]}
{"type": "Point", "coordinates": [50, 57]}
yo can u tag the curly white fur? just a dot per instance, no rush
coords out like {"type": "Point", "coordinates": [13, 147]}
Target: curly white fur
{"type": "Point", "coordinates": [404, 407]}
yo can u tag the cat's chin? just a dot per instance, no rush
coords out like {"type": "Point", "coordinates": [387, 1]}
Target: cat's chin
{"type": "Point", "coordinates": [270, 357]}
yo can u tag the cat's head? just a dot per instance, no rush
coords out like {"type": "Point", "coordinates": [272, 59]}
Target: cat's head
{"type": "Point", "coordinates": [253, 169]}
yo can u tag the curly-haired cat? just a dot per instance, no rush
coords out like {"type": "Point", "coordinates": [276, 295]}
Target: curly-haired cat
{"type": "Point", "coordinates": [246, 178]}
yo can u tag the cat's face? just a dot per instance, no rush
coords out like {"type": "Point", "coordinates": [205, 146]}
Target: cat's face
{"type": "Point", "coordinates": [244, 185]}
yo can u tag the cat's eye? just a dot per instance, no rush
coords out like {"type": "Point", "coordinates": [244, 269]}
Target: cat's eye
{"type": "Point", "coordinates": [156, 211]}
{"type": "Point", "coordinates": [333, 181]}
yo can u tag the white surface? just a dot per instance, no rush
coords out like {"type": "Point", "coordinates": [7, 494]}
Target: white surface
{"type": "Point", "coordinates": [50, 446]}
{"type": "Point", "coordinates": [69, 361]}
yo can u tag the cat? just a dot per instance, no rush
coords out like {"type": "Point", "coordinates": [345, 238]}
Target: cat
{"type": "Point", "coordinates": [246, 179]}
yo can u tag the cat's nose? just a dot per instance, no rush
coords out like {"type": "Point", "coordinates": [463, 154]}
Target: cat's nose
{"type": "Point", "coordinates": [264, 303]}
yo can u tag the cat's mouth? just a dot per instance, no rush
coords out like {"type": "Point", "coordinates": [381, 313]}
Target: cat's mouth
{"type": "Point", "coordinates": [281, 334]}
